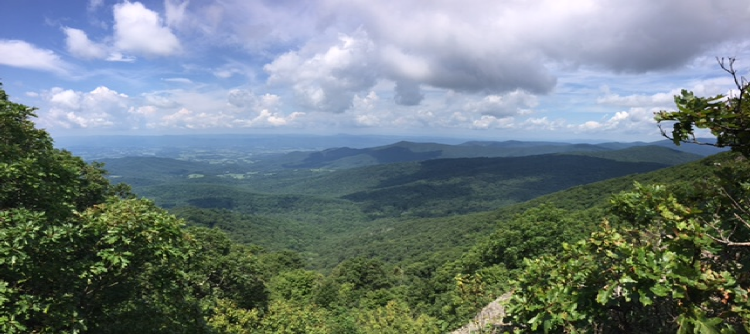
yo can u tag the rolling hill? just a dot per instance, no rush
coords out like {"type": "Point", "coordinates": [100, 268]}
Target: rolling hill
{"type": "Point", "coordinates": [405, 151]}
{"type": "Point", "coordinates": [327, 214]}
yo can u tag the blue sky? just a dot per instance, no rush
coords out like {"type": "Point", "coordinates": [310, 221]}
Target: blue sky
{"type": "Point", "coordinates": [505, 69]}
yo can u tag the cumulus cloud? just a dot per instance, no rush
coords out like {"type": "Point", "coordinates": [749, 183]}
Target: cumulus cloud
{"type": "Point", "coordinates": [327, 80]}
{"type": "Point", "coordinates": [635, 119]}
{"type": "Point", "coordinates": [240, 98]}
{"type": "Point", "coordinates": [140, 30]}
{"type": "Point", "coordinates": [99, 108]}
{"type": "Point", "coordinates": [638, 36]}
{"type": "Point", "coordinates": [104, 108]}
{"type": "Point", "coordinates": [492, 122]}
{"type": "Point", "coordinates": [80, 46]}
{"type": "Point", "coordinates": [705, 87]}
{"type": "Point", "coordinates": [137, 31]}
{"type": "Point", "coordinates": [472, 46]}
{"type": "Point", "coordinates": [510, 104]}
{"type": "Point", "coordinates": [367, 102]}
{"type": "Point", "coordinates": [617, 34]}
{"type": "Point", "coordinates": [21, 54]}
{"type": "Point", "coordinates": [472, 64]}
{"type": "Point", "coordinates": [505, 46]}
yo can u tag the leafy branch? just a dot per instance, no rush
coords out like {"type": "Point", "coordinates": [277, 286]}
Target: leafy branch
{"type": "Point", "coordinates": [727, 117]}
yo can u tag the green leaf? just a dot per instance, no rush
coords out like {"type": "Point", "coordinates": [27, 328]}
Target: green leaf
{"type": "Point", "coordinates": [645, 300]}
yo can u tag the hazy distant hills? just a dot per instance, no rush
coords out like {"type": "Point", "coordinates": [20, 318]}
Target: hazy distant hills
{"type": "Point", "coordinates": [404, 151]}
{"type": "Point", "coordinates": [338, 151]}
{"type": "Point", "coordinates": [394, 180]}
{"type": "Point", "coordinates": [448, 186]}
{"type": "Point", "coordinates": [339, 202]}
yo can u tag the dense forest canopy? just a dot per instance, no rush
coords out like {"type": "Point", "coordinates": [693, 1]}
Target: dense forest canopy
{"type": "Point", "coordinates": [671, 258]}
{"type": "Point", "coordinates": [79, 254]}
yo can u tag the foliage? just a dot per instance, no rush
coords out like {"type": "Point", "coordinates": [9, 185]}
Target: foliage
{"type": "Point", "coordinates": [296, 286]}
{"type": "Point", "coordinates": [36, 176]}
{"type": "Point", "coordinates": [285, 317]}
{"type": "Point", "coordinates": [662, 275]}
{"type": "Point", "coordinates": [75, 258]}
{"type": "Point", "coordinates": [395, 318]}
{"type": "Point", "coordinates": [100, 271]}
{"type": "Point", "coordinates": [219, 268]}
{"type": "Point", "coordinates": [676, 261]}
{"type": "Point", "coordinates": [540, 230]}
{"type": "Point", "coordinates": [77, 254]}
{"type": "Point", "coordinates": [727, 118]}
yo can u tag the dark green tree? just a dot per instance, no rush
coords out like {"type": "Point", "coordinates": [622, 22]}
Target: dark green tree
{"type": "Point", "coordinates": [78, 254]}
{"type": "Point", "coordinates": [727, 117]}
{"type": "Point", "coordinates": [678, 260]}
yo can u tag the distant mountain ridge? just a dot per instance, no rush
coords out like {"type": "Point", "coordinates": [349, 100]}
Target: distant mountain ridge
{"type": "Point", "coordinates": [405, 151]}
{"type": "Point", "coordinates": [299, 147]}
{"type": "Point", "coordinates": [400, 179]}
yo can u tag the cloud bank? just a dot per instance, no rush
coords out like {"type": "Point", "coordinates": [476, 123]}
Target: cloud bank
{"type": "Point", "coordinates": [580, 66]}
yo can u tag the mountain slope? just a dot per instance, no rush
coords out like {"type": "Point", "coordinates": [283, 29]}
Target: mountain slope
{"type": "Point", "coordinates": [404, 151]}
{"type": "Point", "coordinates": [412, 240]}
{"type": "Point", "coordinates": [648, 153]}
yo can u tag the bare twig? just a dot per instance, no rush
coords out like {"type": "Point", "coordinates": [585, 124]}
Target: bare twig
{"type": "Point", "coordinates": [726, 239]}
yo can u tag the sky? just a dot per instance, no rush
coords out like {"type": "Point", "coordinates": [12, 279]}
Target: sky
{"type": "Point", "coordinates": [575, 70]}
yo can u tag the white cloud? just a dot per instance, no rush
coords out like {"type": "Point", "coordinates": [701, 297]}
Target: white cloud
{"type": "Point", "coordinates": [175, 11]}
{"type": "Point", "coordinates": [99, 108]}
{"type": "Point", "coordinates": [21, 54]}
{"type": "Point", "coordinates": [406, 66]}
{"type": "Point", "coordinates": [254, 26]}
{"type": "Point", "coordinates": [705, 87]}
{"type": "Point", "coordinates": [119, 57]}
{"type": "Point", "coordinates": [513, 103]}
{"type": "Point", "coordinates": [267, 118]}
{"type": "Point", "coordinates": [80, 46]}
{"type": "Point", "coordinates": [500, 47]}
{"type": "Point", "coordinates": [505, 65]}
{"type": "Point", "coordinates": [179, 80]}
{"type": "Point", "coordinates": [327, 80]}
{"type": "Point", "coordinates": [366, 103]}
{"type": "Point", "coordinates": [137, 31]}
{"type": "Point", "coordinates": [634, 120]}
{"type": "Point", "coordinates": [227, 71]}
{"type": "Point", "coordinates": [492, 122]}
{"type": "Point", "coordinates": [140, 30]}
{"type": "Point", "coordinates": [637, 100]}
{"type": "Point", "coordinates": [542, 123]}
{"type": "Point", "coordinates": [66, 99]}
{"type": "Point", "coordinates": [174, 109]}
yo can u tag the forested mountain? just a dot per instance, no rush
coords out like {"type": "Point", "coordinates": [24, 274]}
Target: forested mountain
{"type": "Point", "coordinates": [325, 213]}
{"type": "Point", "coordinates": [345, 157]}
{"type": "Point", "coordinates": [139, 171]}
{"type": "Point", "coordinates": [609, 241]}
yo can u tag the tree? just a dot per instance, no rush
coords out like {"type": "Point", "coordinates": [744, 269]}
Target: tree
{"type": "Point", "coordinates": [661, 274]}
{"type": "Point", "coordinates": [727, 117]}
{"type": "Point", "coordinates": [78, 254]}
{"type": "Point", "coordinates": [677, 262]}
{"type": "Point", "coordinates": [219, 268]}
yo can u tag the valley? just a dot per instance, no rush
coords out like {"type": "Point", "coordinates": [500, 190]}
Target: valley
{"type": "Point", "coordinates": [340, 203]}
{"type": "Point", "coordinates": [415, 237]}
